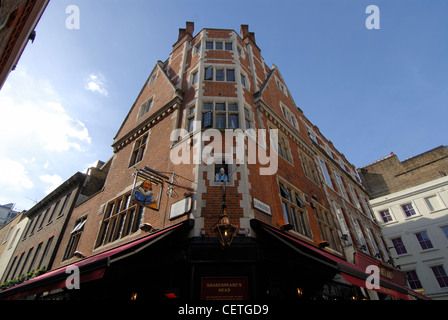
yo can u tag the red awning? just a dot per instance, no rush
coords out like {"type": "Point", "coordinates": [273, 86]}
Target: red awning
{"type": "Point", "coordinates": [91, 268]}
{"type": "Point", "coordinates": [356, 274]}
{"type": "Point", "coordinates": [362, 283]}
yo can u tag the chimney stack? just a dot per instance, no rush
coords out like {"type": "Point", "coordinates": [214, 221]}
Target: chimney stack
{"type": "Point", "coordinates": [188, 30]}
{"type": "Point", "coordinates": [246, 34]}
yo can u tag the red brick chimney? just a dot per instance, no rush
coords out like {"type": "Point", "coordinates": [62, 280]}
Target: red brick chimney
{"type": "Point", "coordinates": [189, 30]}
{"type": "Point", "coordinates": [246, 34]}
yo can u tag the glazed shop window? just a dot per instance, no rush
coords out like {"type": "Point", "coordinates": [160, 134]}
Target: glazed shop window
{"type": "Point", "coordinates": [220, 115]}
{"type": "Point", "coordinates": [139, 150]}
{"type": "Point", "coordinates": [121, 218]}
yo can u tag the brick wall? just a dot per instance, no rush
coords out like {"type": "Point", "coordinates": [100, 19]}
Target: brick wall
{"type": "Point", "coordinates": [389, 175]}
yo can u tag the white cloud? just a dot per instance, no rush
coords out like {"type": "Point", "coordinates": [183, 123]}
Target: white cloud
{"type": "Point", "coordinates": [36, 116]}
{"type": "Point", "coordinates": [13, 175]}
{"type": "Point", "coordinates": [38, 133]}
{"type": "Point", "coordinates": [54, 181]}
{"type": "Point", "coordinates": [96, 83]}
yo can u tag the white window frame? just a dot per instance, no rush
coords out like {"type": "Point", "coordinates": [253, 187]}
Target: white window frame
{"type": "Point", "coordinates": [226, 111]}
{"type": "Point", "coordinates": [190, 117]}
{"type": "Point", "coordinates": [215, 68]}
{"type": "Point", "coordinates": [414, 207]}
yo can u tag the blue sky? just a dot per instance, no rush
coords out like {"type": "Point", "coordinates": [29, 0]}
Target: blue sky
{"type": "Point", "coordinates": [371, 92]}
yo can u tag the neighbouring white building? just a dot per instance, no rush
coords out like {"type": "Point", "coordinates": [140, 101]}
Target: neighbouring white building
{"type": "Point", "coordinates": [415, 223]}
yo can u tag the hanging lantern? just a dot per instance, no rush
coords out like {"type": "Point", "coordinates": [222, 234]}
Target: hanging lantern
{"type": "Point", "coordinates": [224, 230]}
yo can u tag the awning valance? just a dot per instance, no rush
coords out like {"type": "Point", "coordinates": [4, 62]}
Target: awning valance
{"type": "Point", "coordinates": [351, 273]}
{"type": "Point", "coordinates": [91, 268]}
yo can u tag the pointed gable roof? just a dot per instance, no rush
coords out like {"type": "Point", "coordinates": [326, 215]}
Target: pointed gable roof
{"type": "Point", "coordinates": [148, 90]}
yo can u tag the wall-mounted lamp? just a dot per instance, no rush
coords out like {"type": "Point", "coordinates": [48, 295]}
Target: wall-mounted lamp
{"type": "Point", "coordinates": [146, 227]}
{"type": "Point", "coordinates": [287, 227]}
{"type": "Point", "coordinates": [344, 237]}
{"type": "Point", "coordinates": [78, 254]}
{"type": "Point", "coordinates": [363, 247]}
{"type": "Point", "coordinates": [323, 244]}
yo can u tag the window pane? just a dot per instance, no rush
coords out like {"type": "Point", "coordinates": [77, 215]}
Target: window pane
{"type": "Point", "coordinates": [413, 280]}
{"type": "Point", "coordinates": [207, 120]}
{"type": "Point", "coordinates": [233, 107]}
{"type": "Point", "coordinates": [243, 80]}
{"type": "Point", "coordinates": [218, 45]}
{"type": "Point", "coordinates": [302, 219]}
{"type": "Point", "coordinates": [209, 45]}
{"type": "Point", "coordinates": [326, 174]}
{"type": "Point", "coordinates": [219, 75]}
{"type": "Point", "coordinates": [230, 75]}
{"type": "Point", "coordinates": [299, 202]}
{"type": "Point", "coordinates": [283, 191]}
{"type": "Point", "coordinates": [445, 231]}
{"type": "Point", "coordinates": [208, 106]}
{"type": "Point", "coordinates": [293, 218]}
{"type": "Point", "coordinates": [220, 107]}
{"type": "Point", "coordinates": [209, 73]}
{"type": "Point", "coordinates": [229, 46]}
{"type": "Point", "coordinates": [233, 121]}
{"type": "Point", "coordinates": [424, 240]}
{"type": "Point", "coordinates": [220, 121]}
{"type": "Point", "coordinates": [440, 274]}
{"type": "Point", "coordinates": [190, 124]}
{"type": "Point", "coordinates": [399, 246]}
{"type": "Point", "coordinates": [247, 124]}
{"type": "Point", "coordinates": [285, 212]}
{"type": "Point", "coordinates": [408, 210]}
{"type": "Point", "coordinates": [385, 215]}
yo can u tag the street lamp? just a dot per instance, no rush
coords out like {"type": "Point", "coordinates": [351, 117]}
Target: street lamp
{"type": "Point", "coordinates": [224, 229]}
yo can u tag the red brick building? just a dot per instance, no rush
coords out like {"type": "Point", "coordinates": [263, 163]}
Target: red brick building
{"type": "Point", "coordinates": [18, 18]}
{"type": "Point", "coordinates": [302, 223]}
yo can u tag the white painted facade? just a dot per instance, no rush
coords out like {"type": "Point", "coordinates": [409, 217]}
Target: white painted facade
{"type": "Point", "coordinates": [415, 215]}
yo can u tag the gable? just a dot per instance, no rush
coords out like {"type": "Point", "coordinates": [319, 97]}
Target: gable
{"type": "Point", "coordinates": [157, 91]}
